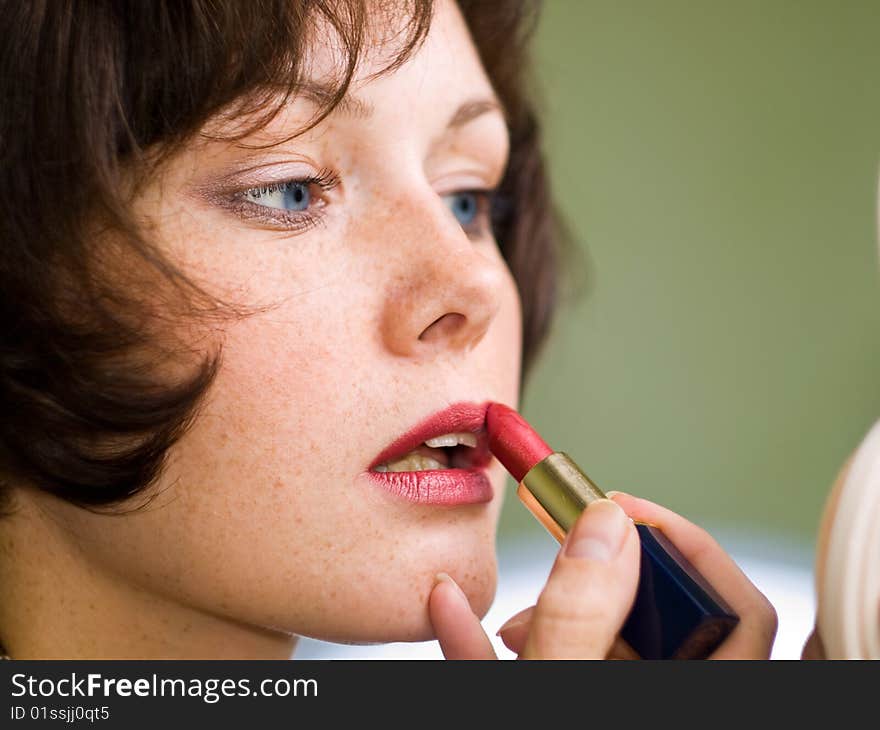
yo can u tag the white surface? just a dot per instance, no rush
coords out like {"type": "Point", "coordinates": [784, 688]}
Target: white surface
{"type": "Point", "coordinates": [785, 578]}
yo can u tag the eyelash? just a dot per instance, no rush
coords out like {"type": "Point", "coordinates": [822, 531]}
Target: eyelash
{"type": "Point", "coordinates": [326, 180]}
{"type": "Point", "coordinates": [297, 221]}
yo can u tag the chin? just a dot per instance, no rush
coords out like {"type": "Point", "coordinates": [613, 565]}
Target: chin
{"type": "Point", "coordinates": [478, 586]}
{"type": "Point", "coordinates": [399, 613]}
{"type": "Point", "coordinates": [481, 595]}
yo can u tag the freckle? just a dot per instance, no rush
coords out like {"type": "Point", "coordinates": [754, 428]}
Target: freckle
{"type": "Point", "coordinates": [279, 484]}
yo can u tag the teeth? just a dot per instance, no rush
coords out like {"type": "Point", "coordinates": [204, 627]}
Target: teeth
{"type": "Point", "coordinates": [416, 461]}
{"type": "Point", "coordinates": [452, 439]}
{"type": "Point", "coordinates": [412, 462]}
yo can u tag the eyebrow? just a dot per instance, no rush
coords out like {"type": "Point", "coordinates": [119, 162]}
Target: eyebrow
{"type": "Point", "coordinates": [470, 110]}
{"type": "Point", "coordinates": [354, 107]}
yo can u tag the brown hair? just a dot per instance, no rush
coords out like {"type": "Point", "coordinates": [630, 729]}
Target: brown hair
{"type": "Point", "coordinates": [94, 96]}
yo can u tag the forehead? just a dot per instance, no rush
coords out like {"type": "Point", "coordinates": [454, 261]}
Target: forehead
{"type": "Point", "coordinates": [442, 77]}
{"type": "Point", "coordinates": [445, 56]}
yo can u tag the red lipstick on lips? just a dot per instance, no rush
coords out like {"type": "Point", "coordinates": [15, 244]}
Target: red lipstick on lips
{"type": "Point", "coordinates": [677, 614]}
{"type": "Point", "coordinates": [463, 481]}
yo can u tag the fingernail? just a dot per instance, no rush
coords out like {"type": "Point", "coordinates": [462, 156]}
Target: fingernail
{"type": "Point", "coordinates": [511, 624]}
{"type": "Point", "coordinates": [446, 578]}
{"type": "Point", "coordinates": [598, 534]}
{"type": "Point", "coordinates": [615, 493]}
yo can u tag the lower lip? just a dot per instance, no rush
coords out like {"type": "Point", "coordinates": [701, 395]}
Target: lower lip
{"type": "Point", "coordinates": [445, 487]}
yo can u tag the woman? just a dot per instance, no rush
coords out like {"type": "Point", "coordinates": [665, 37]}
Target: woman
{"type": "Point", "coordinates": [248, 247]}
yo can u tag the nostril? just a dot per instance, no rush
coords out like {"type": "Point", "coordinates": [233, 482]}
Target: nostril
{"type": "Point", "coordinates": [442, 327]}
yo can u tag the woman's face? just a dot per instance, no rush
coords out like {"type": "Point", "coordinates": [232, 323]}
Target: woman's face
{"type": "Point", "coordinates": [389, 302]}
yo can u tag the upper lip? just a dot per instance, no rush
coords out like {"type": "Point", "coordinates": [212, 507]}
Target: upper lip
{"type": "Point", "coordinates": [457, 418]}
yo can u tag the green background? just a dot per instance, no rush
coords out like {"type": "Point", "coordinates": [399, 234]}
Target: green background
{"type": "Point", "coordinates": [717, 163]}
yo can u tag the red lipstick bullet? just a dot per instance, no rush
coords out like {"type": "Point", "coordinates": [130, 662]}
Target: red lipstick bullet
{"type": "Point", "coordinates": [677, 614]}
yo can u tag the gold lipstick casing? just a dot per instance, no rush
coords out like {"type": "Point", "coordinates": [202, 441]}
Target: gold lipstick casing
{"type": "Point", "coordinates": [556, 491]}
{"type": "Point", "coordinates": [676, 613]}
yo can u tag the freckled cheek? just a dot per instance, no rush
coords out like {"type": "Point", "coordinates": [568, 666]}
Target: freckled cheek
{"type": "Point", "coordinates": [298, 356]}
{"type": "Point", "coordinates": [505, 342]}
{"type": "Point", "coordinates": [281, 415]}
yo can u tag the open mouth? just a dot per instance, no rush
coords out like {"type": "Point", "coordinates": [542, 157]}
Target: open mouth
{"type": "Point", "coordinates": [455, 438]}
{"type": "Point", "coordinates": [461, 450]}
{"type": "Point", "coordinates": [441, 461]}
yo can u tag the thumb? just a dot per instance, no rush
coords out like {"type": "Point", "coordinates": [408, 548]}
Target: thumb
{"type": "Point", "coordinates": [590, 590]}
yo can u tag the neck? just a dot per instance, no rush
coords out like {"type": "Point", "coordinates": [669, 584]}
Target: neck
{"type": "Point", "coordinates": [58, 605]}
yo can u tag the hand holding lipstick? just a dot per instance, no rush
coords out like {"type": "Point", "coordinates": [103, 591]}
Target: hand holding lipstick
{"type": "Point", "coordinates": [580, 611]}
{"type": "Point", "coordinates": [590, 591]}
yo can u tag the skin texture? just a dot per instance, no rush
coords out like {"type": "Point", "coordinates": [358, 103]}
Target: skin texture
{"type": "Point", "coordinates": [265, 526]}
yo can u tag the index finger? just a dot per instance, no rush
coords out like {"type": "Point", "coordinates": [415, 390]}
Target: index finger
{"type": "Point", "coordinates": [456, 627]}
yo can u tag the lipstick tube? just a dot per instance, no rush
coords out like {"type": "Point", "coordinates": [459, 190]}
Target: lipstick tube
{"type": "Point", "coordinates": [677, 614]}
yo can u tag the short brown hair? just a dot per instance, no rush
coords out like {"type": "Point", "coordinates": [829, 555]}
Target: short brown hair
{"type": "Point", "coordinates": [93, 93]}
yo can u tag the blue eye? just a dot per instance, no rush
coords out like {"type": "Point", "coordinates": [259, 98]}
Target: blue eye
{"type": "Point", "coordinates": [465, 206]}
{"type": "Point", "coordinates": [294, 204]}
{"type": "Point", "coordinates": [292, 195]}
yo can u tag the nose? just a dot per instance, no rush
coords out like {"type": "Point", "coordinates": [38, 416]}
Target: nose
{"type": "Point", "coordinates": [445, 289]}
